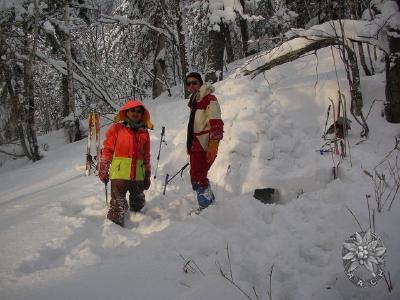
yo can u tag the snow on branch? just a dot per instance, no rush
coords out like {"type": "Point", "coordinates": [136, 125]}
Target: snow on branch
{"type": "Point", "coordinates": [297, 47]}
{"type": "Point", "coordinates": [302, 41]}
{"type": "Point", "coordinates": [125, 22]}
{"type": "Point", "coordinates": [86, 80]}
{"type": "Point", "coordinates": [287, 52]}
{"type": "Point", "coordinates": [226, 11]}
{"type": "Point", "coordinates": [370, 32]}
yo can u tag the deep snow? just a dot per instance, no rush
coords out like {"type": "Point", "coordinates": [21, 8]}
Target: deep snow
{"type": "Point", "coordinates": [56, 243]}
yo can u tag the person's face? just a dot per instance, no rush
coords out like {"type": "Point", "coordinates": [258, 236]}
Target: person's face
{"type": "Point", "coordinates": [135, 114]}
{"type": "Point", "coordinates": [192, 84]}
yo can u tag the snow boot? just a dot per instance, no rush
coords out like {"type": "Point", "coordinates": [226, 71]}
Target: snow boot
{"type": "Point", "coordinates": [205, 196]}
{"type": "Point", "coordinates": [136, 202]}
{"type": "Point", "coordinates": [116, 213]}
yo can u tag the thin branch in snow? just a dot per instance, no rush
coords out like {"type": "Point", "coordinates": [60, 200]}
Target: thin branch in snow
{"type": "Point", "coordinates": [187, 267]}
{"type": "Point", "coordinates": [369, 210]}
{"type": "Point", "coordinates": [316, 71]}
{"type": "Point", "coordinates": [269, 292]}
{"type": "Point", "coordinates": [229, 260]}
{"type": "Point", "coordinates": [388, 282]}
{"type": "Point", "coordinates": [370, 108]}
{"type": "Point", "coordinates": [373, 221]}
{"type": "Point", "coordinates": [190, 265]}
{"type": "Point", "coordinates": [222, 273]}
{"type": "Point", "coordinates": [255, 293]}
{"type": "Point", "coordinates": [355, 218]}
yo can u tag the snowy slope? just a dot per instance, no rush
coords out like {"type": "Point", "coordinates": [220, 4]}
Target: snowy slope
{"type": "Point", "coordinates": [56, 243]}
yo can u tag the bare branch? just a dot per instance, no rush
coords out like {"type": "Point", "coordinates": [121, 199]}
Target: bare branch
{"type": "Point", "coordinates": [355, 218]}
{"type": "Point", "coordinates": [222, 273]}
{"type": "Point", "coordinates": [12, 154]}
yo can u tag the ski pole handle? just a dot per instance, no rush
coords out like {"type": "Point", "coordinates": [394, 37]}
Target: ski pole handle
{"type": "Point", "coordinates": [162, 131]}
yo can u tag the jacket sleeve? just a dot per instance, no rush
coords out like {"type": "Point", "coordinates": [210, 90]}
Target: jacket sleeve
{"type": "Point", "coordinates": [215, 121]}
{"type": "Point", "coordinates": [107, 151]}
{"type": "Point", "coordinates": [146, 158]}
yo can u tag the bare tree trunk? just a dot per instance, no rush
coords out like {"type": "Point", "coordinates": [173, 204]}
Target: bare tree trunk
{"type": "Point", "coordinates": [182, 45]}
{"type": "Point", "coordinates": [230, 56]}
{"type": "Point", "coordinates": [159, 61]}
{"type": "Point", "coordinates": [68, 59]}
{"type": "Point", "coordinates": [65, 102]}
{"type": "Point", "coordinates": [392, 91]}
{"type": "Point", "coordinates": [215, 56]}
{"type": "Point", "coordinates": [159, 67]}
{"type": "Point", "coordinates": [175, 64]}
{"type": "Point", "coordinates": [28, 87]}
{"type": "Point", "coordinates": [244, 30]}
{"type": "Point", "coordinates": [356, 8]}
{"type": "Point", "coordinates": [362, 59]}
{"type": "Point", "coordinates": [370, 59]}
{"type": "Point", "coordinates": [17, 111]}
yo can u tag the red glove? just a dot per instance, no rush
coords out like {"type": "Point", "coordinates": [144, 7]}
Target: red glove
{"type": "Point", "coordinates": [212, 150]}
{"type": "Point", "coordinates": [103, 171]}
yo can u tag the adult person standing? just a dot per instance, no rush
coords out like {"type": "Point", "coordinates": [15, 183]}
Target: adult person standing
{"type": "Point", "coordinates": [125, 160]}
{"type": "Point", "coordinates": [205, 131]}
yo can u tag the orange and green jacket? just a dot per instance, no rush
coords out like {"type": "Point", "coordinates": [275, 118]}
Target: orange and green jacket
{"type": "Point", "coordinates": [128, 151]}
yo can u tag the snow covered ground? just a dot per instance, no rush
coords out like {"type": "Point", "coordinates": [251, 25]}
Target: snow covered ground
{"type": "Point", "coordinates": [56, 243]}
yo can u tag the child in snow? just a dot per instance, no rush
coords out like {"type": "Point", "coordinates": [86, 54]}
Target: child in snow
{"type": "Point", "coordinates": [205, 130]}
{"type": "Point", "coordinates": [125, 159]}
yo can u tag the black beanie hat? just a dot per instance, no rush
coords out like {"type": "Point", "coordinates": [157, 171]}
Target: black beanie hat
{"type": "Point", "coordinates": [195, 75]}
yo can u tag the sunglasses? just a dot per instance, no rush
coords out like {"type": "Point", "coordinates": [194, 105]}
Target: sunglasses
{"type": "Point", "coordinates": [189, 83]}
{"type": "Point", "coordinates": [136, 110]}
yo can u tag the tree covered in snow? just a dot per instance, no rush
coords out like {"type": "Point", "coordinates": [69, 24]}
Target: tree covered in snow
{"type": "Point", "coordinates": [391, 12]}
{"type": "Point", "coordinates": [18, 44]}
{"type": "Point", "coordinates": [30, 30]}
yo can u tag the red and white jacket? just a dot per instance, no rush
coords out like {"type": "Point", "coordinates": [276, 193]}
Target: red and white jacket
{"type": "Point", "coordinates": [205, 122]}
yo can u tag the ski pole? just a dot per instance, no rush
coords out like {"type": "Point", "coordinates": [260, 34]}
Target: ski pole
{"type": "Point", "coordinates": [105, 188]}
{"type": "Point", "coordinates": [165, 183]}
{"type": "Point", "coordinates": [168, 180]}
{"type": "Point", "coordinates": [162, 140]}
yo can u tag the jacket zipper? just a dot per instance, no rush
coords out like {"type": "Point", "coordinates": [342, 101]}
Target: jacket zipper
{"type": "Point", "coordinates": [137, 148]}
{"type": "Point", "coordinates": [134, 159]}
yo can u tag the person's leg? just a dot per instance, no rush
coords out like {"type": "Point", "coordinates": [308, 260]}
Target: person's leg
{"type": "Point", "coordinates": [136, 196]}
{"type": "Point", "coordinates": [118, 203]}
{"type": "Point", "coordinates": [199, 169]}
{"type": "Point", "coordinates": [198, 173]}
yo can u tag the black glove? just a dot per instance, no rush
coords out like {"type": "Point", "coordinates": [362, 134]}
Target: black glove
{"type": "Point", "coordinates": [146, 183]}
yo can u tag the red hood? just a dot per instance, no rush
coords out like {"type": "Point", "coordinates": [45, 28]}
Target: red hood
{"type": "Point", "coordinates": [131, 104]}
